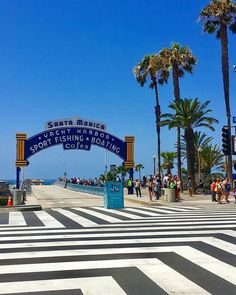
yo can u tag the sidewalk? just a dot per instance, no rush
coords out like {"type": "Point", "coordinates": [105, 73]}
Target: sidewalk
{"type": "Point", "coordinates": [198, 200]}
{"type": "Point", "coordinates": [31, 204]}
{"type": "Point", "coordinates": [54, 196]}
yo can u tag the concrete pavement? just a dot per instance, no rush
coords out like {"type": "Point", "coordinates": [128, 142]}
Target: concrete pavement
{"type": "Point", "coordinates": [54, 196]}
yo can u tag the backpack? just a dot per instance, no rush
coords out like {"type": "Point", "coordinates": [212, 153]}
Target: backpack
{"type": "Point", "coordinates": [219, 188]}
{"type": "Point", "coordinates": [129, 183]}
{"type": "Point", "coordinates": [213, 186]}
{"type": "Point", "coordinates": [172, 185]}
{"type": "Point", "coordinates": [227, 187]}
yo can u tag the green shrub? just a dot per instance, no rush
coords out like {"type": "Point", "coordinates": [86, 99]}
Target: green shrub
{"type": "Point", "coordinates": [3, 201]}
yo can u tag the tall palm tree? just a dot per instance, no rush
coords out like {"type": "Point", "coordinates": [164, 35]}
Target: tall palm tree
{"type": "Point", "coordinates": [200, 139]}
{"type": "Point", "coordinates": [138, 168]}
{"type": "Point", "coordinates": [168, 160]}
{"type": "Point", "coordinates": [181, 60]}
{"type": "Point", "coordinates": [123, 171]}
{"type": "Point", "coordinates": [155, 71]}
{"type": "Point", "coordinates": [211, 157]}
{"type": "Point", "coordinates": [189, 114]}
{"type": "Point", "coordinates": [218, 17]}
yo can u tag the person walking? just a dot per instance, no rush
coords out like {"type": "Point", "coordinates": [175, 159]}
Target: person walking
{"type": "Point", "coordinates": [177, 188]}
{"type": "Point", "coordinates": [150, 188]}
{"type": "Point", "coordinates": [190, 187]}
{"type": "Point", "coordinates": [213, 190]}
{"type": "Point", "coordinates": [137, 186]}
{"type": "Point", "coordinates": [226, 189]}
{"type": "Point", "coordinates": [166, 180]}
{"type": "Point", "coordinates": [234, 190]}
{"type": "Point", "coordinates": [157, 188]}
{"type": "Point", "coordinates": [129, 185]}
{"type": "Point", "coordinates": [219, 190]}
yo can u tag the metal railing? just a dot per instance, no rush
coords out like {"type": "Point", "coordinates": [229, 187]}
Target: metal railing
{"type": "Point", "coordinates": [93, 190]}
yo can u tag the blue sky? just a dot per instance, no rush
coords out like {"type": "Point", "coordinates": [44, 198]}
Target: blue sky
{"type": "Point", "coordinates": [65, 58]}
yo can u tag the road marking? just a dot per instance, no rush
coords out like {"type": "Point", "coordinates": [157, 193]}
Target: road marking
{"type": "Point", "coordinates": [98, 215]}
{"type": "Point", "coordinates": [48, 220]}
{"type": "Point", "coordinates": [231, 248]}
{"type": "Point", "coordinates": [170, 280]}
{"type": "Point", "coordinates": [82, 252]}
{"type": "Point", "coordinates": [90, 286]}
{"type": "Point", "coordinates": [121, 212]}
{"type": "Point", "coordinates": [139, 210]}
{"type": "Point", "coordinates": [183, 209]}
{"type": "Point", "coordinates": [16, 218]}
{"type": "Point", "coordinates": [211, 264]}
{"type": "Point", "coordinates": [159, 210]}
{"type": "Point", "coordinates": [77, 218]}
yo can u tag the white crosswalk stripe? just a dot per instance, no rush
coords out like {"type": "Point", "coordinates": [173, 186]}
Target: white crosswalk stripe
{"type": "Point", "coordinates": [89, 286]}
{"type": "Point", "coordinates": [47, 219]}
{"type": "Point", "coordinates": [167, 254]}
{"type": "Point", "coordinates": [162, 275]}
{"type": "Point", "coordinates": [79, 219]}
{"type": "Point", "coordinates": [88, 217]}
{"type": "Point", "coordinates": [99, 215]}
{"type": "Point", "coordinates": [16, 218]}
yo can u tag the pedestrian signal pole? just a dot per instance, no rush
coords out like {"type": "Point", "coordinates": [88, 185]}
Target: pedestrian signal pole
{"type": "Point", "coordinates": [226, 141]}
{"type": "Point", "coordinates": [227, 148]}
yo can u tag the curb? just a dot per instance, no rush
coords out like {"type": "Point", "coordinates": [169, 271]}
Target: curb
{"type": "Point", "coordinates": [21, 208]}
{"type": "Point", "coordinates": [142, 202]}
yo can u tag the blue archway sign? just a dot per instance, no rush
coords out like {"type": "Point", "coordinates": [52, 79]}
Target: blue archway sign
{"type": "Point", "coordinates": [73, 134]}
{"type": "Point", "coordinates": [76, 139]}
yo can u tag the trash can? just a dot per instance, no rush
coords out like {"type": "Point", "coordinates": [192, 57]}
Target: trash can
{"type": "Point", "coordinates": [113, 195]}
{"type": "Point", "coordinates": [163, 194]}
{"type": "Point", "coordinates": [17, 197]}
{"type": "Point", "coordinates": [170, 195]}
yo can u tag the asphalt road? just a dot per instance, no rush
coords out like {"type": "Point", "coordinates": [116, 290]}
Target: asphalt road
{"type": "Point", "coordinates": [134, 251]}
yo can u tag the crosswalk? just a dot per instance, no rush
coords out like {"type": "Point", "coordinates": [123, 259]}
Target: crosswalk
{"type": "Point", "coordinates": [188, 251]}
{"type": "Point", "coordinates": [84, 217]}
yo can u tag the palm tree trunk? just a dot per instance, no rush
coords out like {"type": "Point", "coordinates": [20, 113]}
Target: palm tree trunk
{"type": "Point", "coordinates": [188, 135]}
{"type": "Point", "coordinates": [139, 173]}
{"type": "Point", "coordinates": [168, 170]}
{"type": "Point", "coordinates": [225, 73]}
{"type": "Point", "coordinates": [158, 114]}
{"type": "Point", "coordinates": [177, 98]}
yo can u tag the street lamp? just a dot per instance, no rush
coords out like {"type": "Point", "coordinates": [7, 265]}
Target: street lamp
{"type": "Point", "coordinates": [65, 172]}
{"type": "Point", "coordinates": [154, 165]}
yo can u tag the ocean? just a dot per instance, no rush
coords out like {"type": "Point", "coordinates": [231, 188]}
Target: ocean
{"type": "Point", "coordinates": [46, 181]}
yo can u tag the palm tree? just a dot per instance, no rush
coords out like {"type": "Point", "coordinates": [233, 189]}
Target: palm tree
{"type": "Point", "coordinates": [110, 176]}
{"type": "Point", "coordinates": [155, 71]}
{"type": "Point", "coordinates": [189, 114]}
{"type": "Point", "coordinates": [184, 171]}
{"type": "Point", "coordinates": [168, 160]}
{"type": "Point", "coordinates": [123, 171]}
{"type": "Point", "coordinates": [181, 60]}
{"type": "Point", "coordinates": [200, 139]}
{"type": "Point", "coordinates": [211, 157]}
{"type": "Point", "coordinates": [138, 168]}
{"type": "Point", "coordinates": [218, 17]}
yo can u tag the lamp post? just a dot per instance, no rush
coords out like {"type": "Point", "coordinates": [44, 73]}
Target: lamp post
{"type": "Point", "coordinates": [65, 172]}
{"type": "Point", "coordinates": [154, 165]}
{"type": "Point", "coordinates": [105, 162]}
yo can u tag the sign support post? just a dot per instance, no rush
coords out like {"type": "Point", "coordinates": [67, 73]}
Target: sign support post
{"type": "Point", "coordinates": [20, 155]}
{"type": "Point", "coordinates": [129, 163]}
